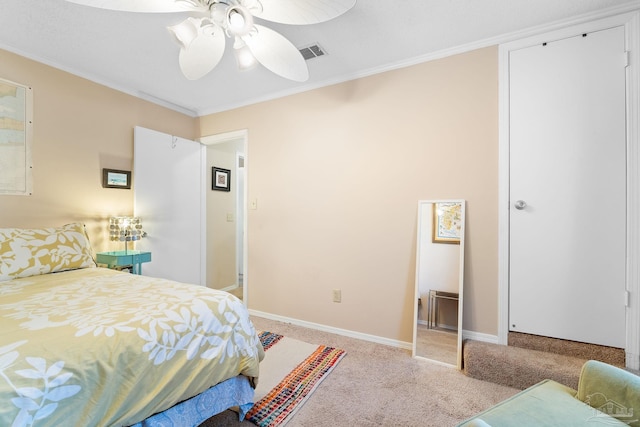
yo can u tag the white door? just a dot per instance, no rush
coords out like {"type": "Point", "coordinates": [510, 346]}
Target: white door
{"type": "Point", "coordinates": [168, 182]}
{"type": "Point", "coordinates": [568, 165]}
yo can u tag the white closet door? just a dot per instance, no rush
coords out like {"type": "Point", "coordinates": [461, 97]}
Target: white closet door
{"type": "Point", "coordinates": [568, 164]}
{"type": "Point", "coordinates": [168, 182]}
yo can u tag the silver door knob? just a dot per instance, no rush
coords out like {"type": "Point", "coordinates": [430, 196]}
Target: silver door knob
{"type": "Point", "coordinates": [520, 204]}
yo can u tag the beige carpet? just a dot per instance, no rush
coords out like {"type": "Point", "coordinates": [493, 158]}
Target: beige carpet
{"type": "Point", "coordinates": [611, 355]}
{"type": "Point", "coordinates": [378, 385]}
{"type": "Point", "coordinates": [529, 359]}
{"type": "Point", "coordinates": [518, 367]}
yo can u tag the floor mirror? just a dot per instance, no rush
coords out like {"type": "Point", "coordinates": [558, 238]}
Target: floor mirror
{"type": "Point", "coordinates": [437, 330]}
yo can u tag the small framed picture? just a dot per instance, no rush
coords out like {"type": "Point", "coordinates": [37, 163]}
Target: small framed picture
{"type": "Point", "coordinates": [220, 179]}
{"type": "Point", "coordinates": [113, 178]}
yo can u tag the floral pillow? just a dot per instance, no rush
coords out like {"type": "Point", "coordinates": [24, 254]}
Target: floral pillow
{"type": "Point", "coordinates": [30, 252]}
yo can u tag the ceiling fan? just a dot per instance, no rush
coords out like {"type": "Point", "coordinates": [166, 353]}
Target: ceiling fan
{"type": "Point", "coordinates": [202, 36]}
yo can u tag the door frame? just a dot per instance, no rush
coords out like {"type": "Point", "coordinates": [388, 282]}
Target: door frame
{"type": "Point", "coordinates": [220, 138]}
{"type": "Point", "coordinates": [241, 205]}
{"type": "Point", "coordinates": [631, 22]}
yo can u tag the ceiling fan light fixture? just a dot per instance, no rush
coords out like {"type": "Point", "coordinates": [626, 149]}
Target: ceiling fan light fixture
{"type": "Point", "coordinates": [185, 32]}
{"type": "Point", "coordinates": [239, 21]}
{"type": "Point", "coordinates": [244, 57]}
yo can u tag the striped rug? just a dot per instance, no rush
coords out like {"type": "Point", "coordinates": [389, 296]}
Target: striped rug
{"type": "Point", "coordinates": [289, 373]}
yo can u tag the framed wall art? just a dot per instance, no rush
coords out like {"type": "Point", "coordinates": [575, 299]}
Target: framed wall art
{"type": "Point", "coordinates": [113, 178]}
{"type": "Point", "coordinates": [220, 179]}
{"type": "Point", "coordinates": [16, 130]}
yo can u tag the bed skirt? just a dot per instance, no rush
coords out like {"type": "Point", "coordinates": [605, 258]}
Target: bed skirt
{"type": "Point", "coordinates": [234, 392]}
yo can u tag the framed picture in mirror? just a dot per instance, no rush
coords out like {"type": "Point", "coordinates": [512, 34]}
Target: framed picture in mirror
{"type": "Point", "coordinates": [447, 222]}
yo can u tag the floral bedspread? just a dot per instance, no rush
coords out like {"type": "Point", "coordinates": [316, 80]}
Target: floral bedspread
{"type": "Point", "coordinates": [97, 347]}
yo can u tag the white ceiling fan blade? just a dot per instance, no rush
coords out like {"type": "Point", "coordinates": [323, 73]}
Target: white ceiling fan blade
{"type": "Point", "coordinates": [202, 55]}
{"type": "Point", "coordinates": [150, 6]}
{"type": "Point", "coordinates": [277, 54]}
{"type": "Point", "coordinates": [302, 12]}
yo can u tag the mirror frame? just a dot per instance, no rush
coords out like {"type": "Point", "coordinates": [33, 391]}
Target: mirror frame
{"type": "Point", "coordinates": [421, 203]}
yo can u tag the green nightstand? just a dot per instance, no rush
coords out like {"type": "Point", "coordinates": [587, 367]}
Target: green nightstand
{"type": "Point", "coordinates": [124, 258]}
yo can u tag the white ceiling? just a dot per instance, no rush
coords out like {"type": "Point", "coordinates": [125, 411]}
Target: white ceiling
{"type": "Point", "coordinates": [134, 53]}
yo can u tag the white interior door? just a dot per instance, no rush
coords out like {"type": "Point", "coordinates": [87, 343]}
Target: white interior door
{"type": "Point", "coordinates": [568, 164]}
{"type": "Point", "coordinates": [168, 182]}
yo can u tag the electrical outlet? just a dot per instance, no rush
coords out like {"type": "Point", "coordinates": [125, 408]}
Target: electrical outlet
{"type": "Point", "coordinates": [337, 295]}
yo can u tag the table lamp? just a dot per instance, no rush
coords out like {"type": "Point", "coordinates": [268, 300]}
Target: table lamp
{"type": "Point", "coordinates": [125, 229]}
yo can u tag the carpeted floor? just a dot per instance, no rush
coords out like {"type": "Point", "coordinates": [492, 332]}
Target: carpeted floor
{"type": "Point", "coordinates": [610, 355]}
{"type": "Point", "coordinates": [518, 367]}
{"type": "Point", "coordinates": [531, 359]}
{"type": "Point", "coordinates": [378, 385]}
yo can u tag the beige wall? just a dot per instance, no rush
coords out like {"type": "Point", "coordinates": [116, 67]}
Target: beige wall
{"type": "Point", "coordinates": [337, 173]}
{"type": "Point", "coordinates": [221, 232]}
{"type": "Point", "coordinates": [80, 127]}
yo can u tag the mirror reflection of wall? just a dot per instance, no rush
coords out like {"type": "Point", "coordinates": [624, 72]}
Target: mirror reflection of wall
{"type": "Point", "coordinates": [439, 272]}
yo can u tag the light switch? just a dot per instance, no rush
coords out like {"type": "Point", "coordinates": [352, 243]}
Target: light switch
{"type": "Point", "coordinates": [337, 295]}
{"type": "Point", "coordinates": [253, 204]}
{"type": "Point", "coordinates": [229, 217]}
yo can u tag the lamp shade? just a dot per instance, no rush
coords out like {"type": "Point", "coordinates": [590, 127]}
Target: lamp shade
{"type": "Point", "coordinates": [125, 229]}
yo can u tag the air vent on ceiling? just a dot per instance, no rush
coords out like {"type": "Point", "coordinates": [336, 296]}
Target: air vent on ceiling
{"type": "Point", "coordinates": [312, 51]}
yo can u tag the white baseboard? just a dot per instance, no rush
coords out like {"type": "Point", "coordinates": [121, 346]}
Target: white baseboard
{"type": "Point", "coordinates": [338, 331]}
{"type": "Point", "coordinates": [440, 326]}
{"type": "Point", "coordinates": [479, 336]}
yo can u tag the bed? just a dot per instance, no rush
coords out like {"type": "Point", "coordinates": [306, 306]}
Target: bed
{"type": "Point", "coordinates": [82, 345]}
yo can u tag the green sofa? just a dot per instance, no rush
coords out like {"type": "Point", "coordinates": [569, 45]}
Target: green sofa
{"type": "Point", "coordinates": [606, 396]}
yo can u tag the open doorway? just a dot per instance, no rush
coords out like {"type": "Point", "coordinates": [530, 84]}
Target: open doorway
{"type": "Point", "coordinates": [226, 214]}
